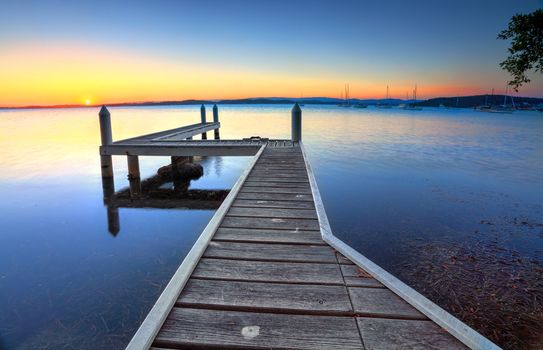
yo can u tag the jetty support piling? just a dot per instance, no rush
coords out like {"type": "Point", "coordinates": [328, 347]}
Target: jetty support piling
{"type": "Point", "coordinates": [296, 129]}
{"type": "Point", "coordinates": [106, 137]}
{"type": "Point", "coordinates": [134, 175]}
{"type": "Point", "coordinates": [108, 187]}
{"type": "Point", "coordinates": [203, 116]}
{"type": "Point", "coordinates": [216, 120]}
{"type": "Point", "coordinates": [113, 224]}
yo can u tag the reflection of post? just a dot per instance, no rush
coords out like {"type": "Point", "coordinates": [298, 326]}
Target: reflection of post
{"type": "Point", "coordinates": [176, 176]}
{"type": "Point", "coordinates": [216, 120]}
{"type": "Point", "coordinates": [134, 175]}
{"type": "Point", "coordinates": [296, 127]}
{"type": "Point", "coordinates": [108, 187]}
{"type": "Point", "coordinates": [113, 225]}
{"type": "Point", "coordinates": [203, 116]}
{"type": "Point", "coordinates": [105, 134]}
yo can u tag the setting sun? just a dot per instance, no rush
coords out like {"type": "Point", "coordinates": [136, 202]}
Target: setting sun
{"type": "Point", "coordinates": [87, 102]}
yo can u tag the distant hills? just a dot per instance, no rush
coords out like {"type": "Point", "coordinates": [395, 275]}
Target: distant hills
{"type": "Point", "coordinates": [478, 100]}
{"type": "Point", "coordinates": [460, 101]}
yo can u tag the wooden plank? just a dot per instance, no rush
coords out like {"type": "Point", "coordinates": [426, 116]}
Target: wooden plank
{"type": "Point", "coordinates": [229, 329]}
{"type": "Point", "coordinates": [266, 297]}
{"type": "Point", "coordinates": [187, 128]}
{"type": "Point", "coordinates": [363, 282]}
{"type": "Point", "coordinates": [180, 149]}
{"type": "Point", "coordinates": [276, 155]}
{"type": "Point", "coordinates": [281, 163]}
{"type": "Point", "coordinates": [269, 236]}
{"type": "Point", "coordinates": [252, 189]}
{"type": "Point", "coordinates": [253, 178]}
{"type": "Point", "coordinates": [281, 150]}
{"type": "Point", "coordinates": [273, 213]}
{"type": "Point", "coordinates": [260, 271]}
{"type": "Point", "coordinates": [384, 334]}
{"type": "Point", "coordinates": [382, 303]}
{"type": "Point", "coordinates": [275, 168]}
{"type": "Point", "coordinates": [152, 323]}
{"type": "Point", "coordinates": [270, 252]}
{"type": "Point", "coordinates": [277, 184]}
{"type": "Point", "coordinates": [280, 174]}
{"type": "Point", "coordinates": [254, 203]}
{"type": "Point", "coordinates": [353, 271]}
{"type": "Point", "coordinates": [181, 135]}
{"type": "Point", "coordinates": [343, 260]}
{"type": "Point", "coordinates": [277, 196]}
{"type": "Point", "coordinates": [264, 223]}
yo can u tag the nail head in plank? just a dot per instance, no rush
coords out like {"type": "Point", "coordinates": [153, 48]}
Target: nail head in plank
{"type": "Point", "coordinates": [230, 329]}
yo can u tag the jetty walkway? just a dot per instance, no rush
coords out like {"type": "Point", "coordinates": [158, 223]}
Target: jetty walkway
{"type": "Point", "coordinates": [267, 272]}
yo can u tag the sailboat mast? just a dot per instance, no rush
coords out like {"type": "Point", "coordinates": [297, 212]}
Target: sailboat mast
{"type": "Point", "coordinates": [505, 97]}
{"type": "Point", "coordinates": [492, 97]}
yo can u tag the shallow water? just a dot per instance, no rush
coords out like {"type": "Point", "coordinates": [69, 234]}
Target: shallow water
{"type": "Point", "coordinates": [405, 188]}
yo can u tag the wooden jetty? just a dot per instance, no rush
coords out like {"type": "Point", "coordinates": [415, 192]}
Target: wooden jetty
{"type": "Point", "coordinates": [267, 272]}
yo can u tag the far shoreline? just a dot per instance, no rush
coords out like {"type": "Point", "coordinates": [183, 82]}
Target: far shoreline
{"type": "Point", "coordinates": [451, 102]}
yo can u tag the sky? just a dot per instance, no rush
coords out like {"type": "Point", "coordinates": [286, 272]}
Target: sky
{"type": "Point", "coordinates": [77, 52]}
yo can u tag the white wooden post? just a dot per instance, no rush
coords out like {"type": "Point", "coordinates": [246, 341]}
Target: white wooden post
{"type": "Point", "coordinates": [296, 129]}
{"type": "Point", "coordinates": [216, 120]}
{"type": "Point", "coordinates": [106, 138]}
{"type": "Point", "coordinates": [203, 116]}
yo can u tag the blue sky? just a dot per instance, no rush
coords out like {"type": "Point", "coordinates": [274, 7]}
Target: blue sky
{"type": "Point", "coordinates": [447, 47]}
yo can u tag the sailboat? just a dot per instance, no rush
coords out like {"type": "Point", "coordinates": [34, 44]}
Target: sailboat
{"type": "Point", "coordinates": [504, 108]}
{"type": "Point", "coordinates": [347, 100]}
{"type": "Point", "coordinates": [486, 106]}
{"type": "Point", "coordinates": [411, 106]}
{"type": "Point", "coordinates": [385, 105]}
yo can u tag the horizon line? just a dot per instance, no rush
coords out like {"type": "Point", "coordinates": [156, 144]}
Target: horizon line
{"type": "Point", "coordinates": [201, 101]}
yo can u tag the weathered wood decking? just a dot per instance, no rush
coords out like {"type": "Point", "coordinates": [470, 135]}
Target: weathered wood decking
{"type": "Point", "coordinates": [263, 273]}
{"type": "Point", "coordinates": [267, 280]}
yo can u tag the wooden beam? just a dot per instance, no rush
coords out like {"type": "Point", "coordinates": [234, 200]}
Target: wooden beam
{"type": "Point", "coordinates": [181, 149]}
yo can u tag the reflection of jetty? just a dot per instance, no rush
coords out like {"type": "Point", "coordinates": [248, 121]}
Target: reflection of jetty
{"type": "Point", "coordinates": [267, 271]}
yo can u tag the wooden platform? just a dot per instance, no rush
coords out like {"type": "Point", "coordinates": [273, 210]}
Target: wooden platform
{"type": "Point", "coordinates": [268, 281]}
{"type": "Point", "coordinates": [176, 142]}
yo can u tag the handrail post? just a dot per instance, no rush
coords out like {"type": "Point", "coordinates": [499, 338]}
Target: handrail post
{"type": "Point", "coordinates": [203, 116]}
{"type": "Point", "coordinates": [296, 128]}
{"type": "Point", "coordinates": [106, 138]}
{"type": "Point", "coordinates": [216, 120]}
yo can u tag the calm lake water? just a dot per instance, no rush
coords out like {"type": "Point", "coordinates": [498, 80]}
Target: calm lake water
{"type": "Point", "coordinates": [449, 201]}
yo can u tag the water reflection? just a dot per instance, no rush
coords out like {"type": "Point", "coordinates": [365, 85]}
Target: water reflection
{"type": "Point", "coordinates": [167, 189]}
{"type": "Point", "coordinates": [405, 188]}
